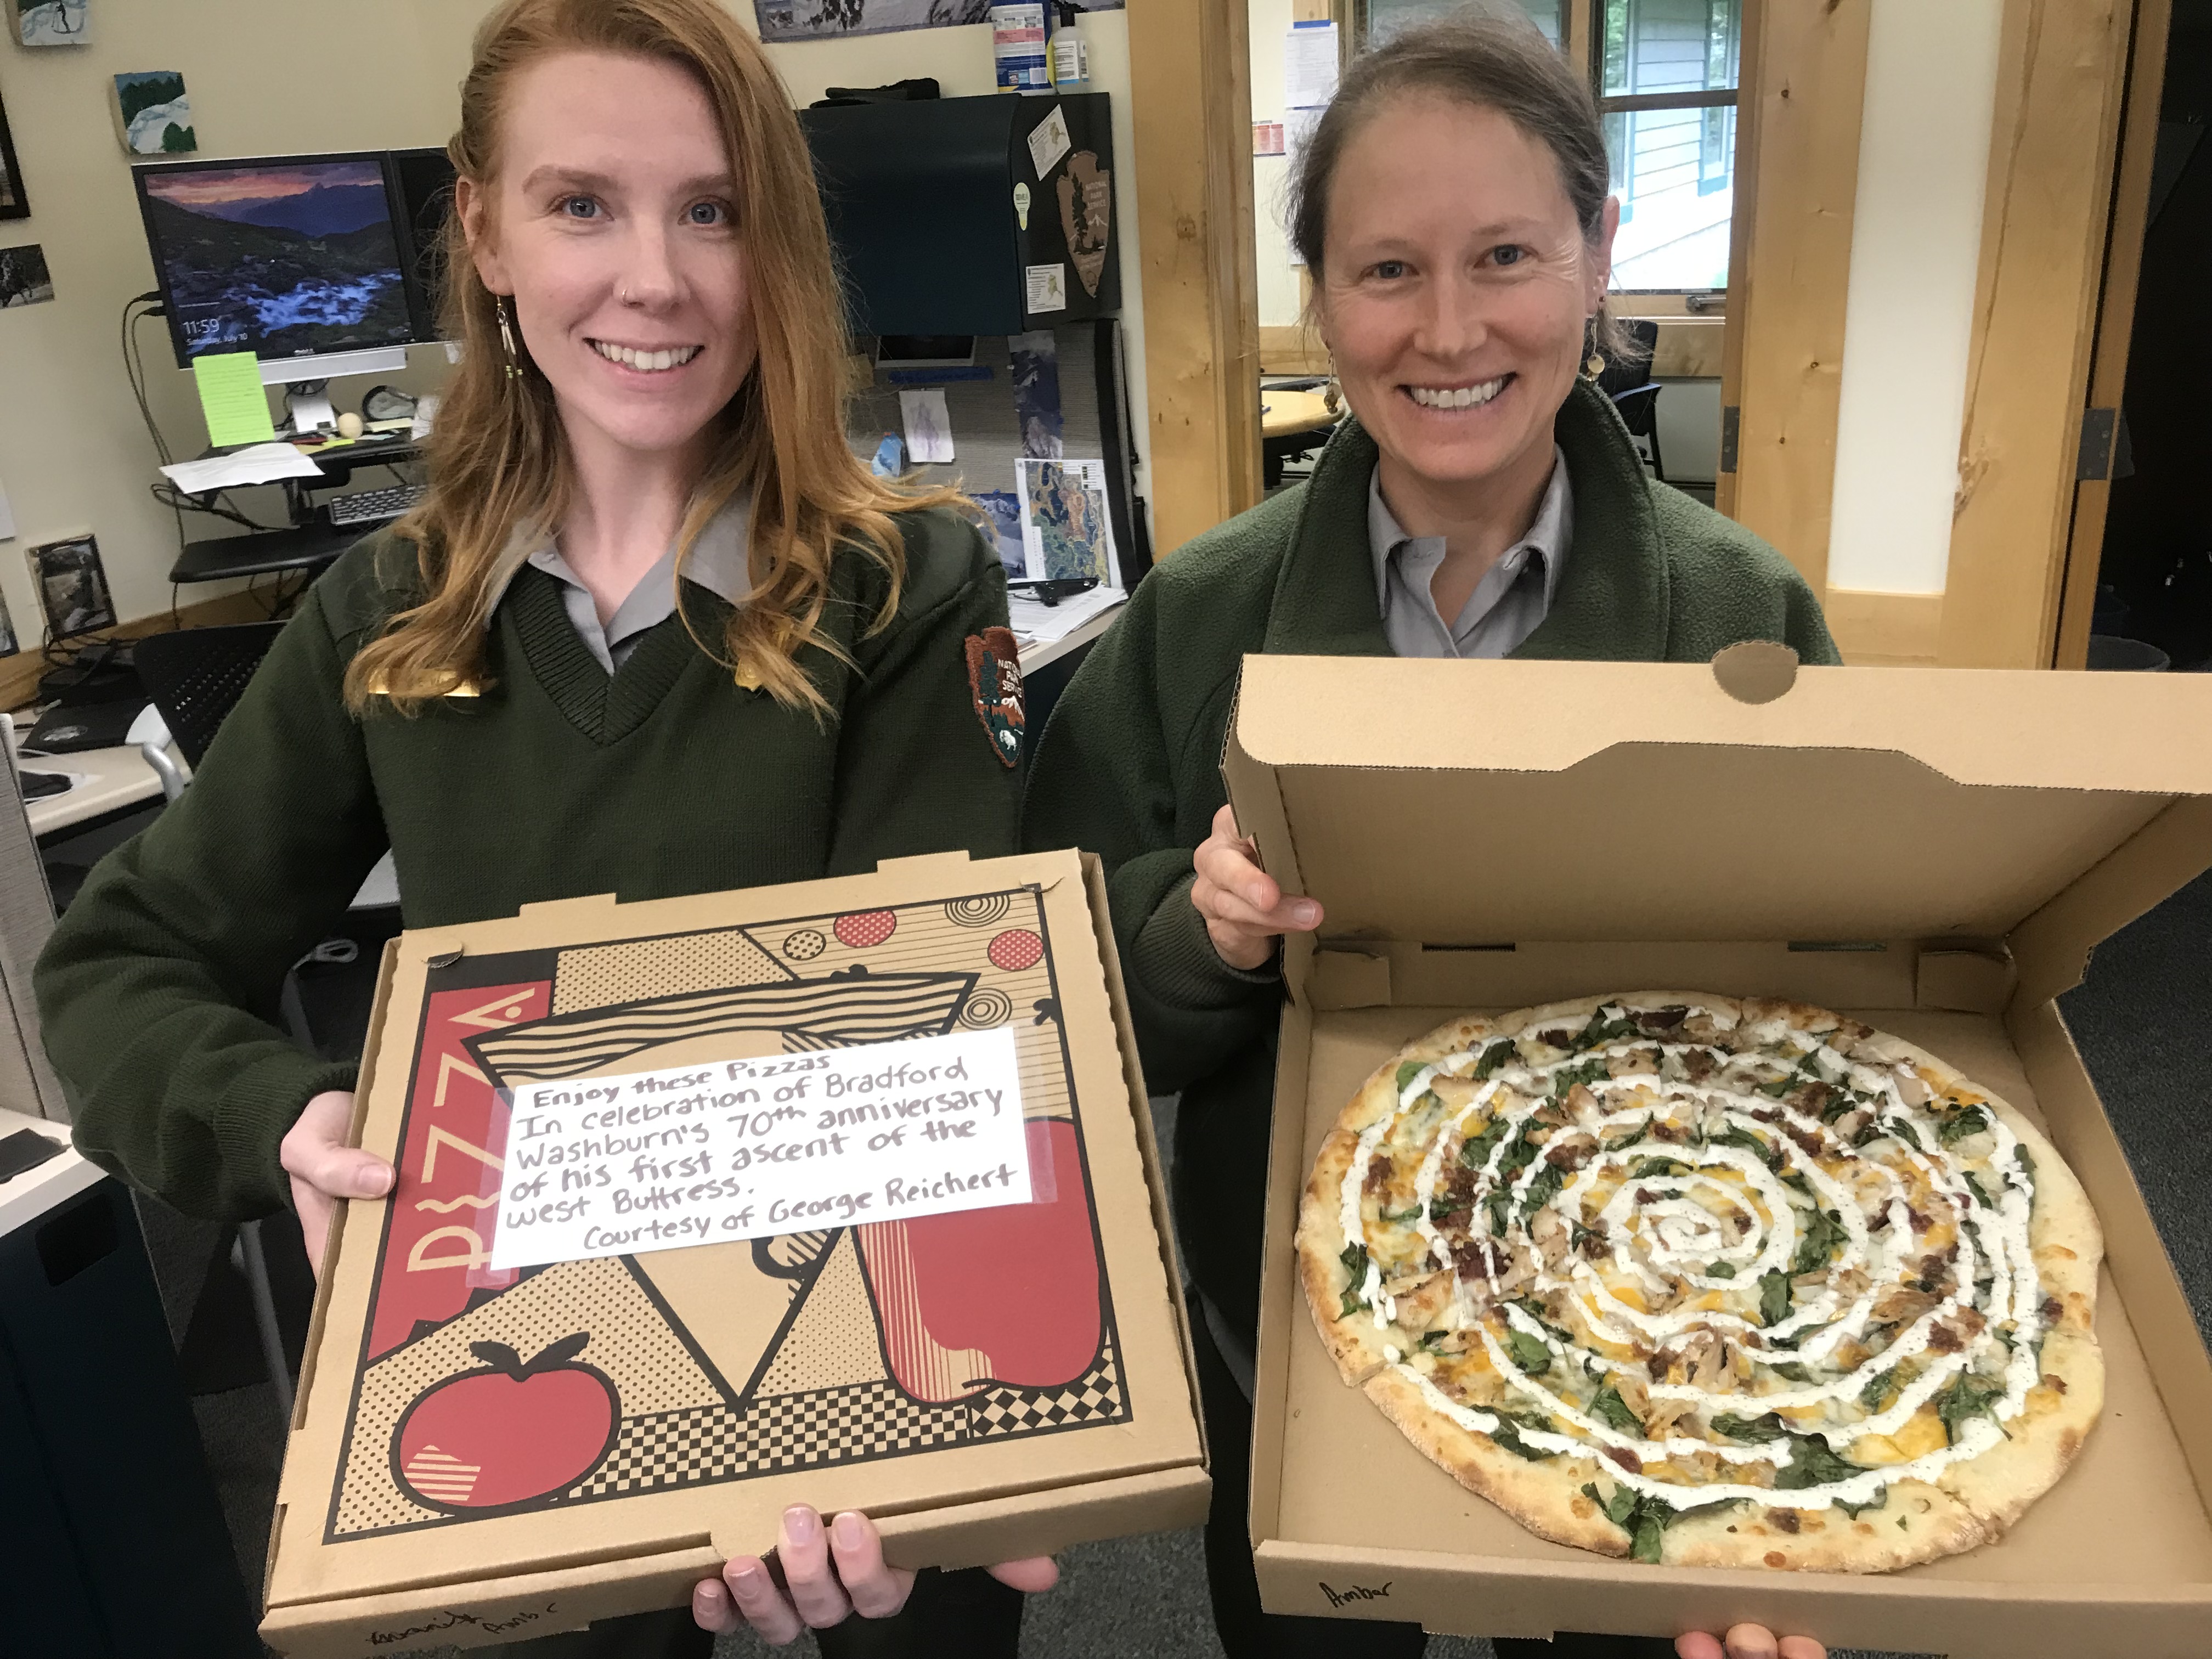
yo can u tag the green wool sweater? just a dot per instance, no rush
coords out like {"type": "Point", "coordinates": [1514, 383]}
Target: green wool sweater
{"type": "Point", "coordinates": [1130, 765]}
{"type": "Point", "coordinates": [159, 990]}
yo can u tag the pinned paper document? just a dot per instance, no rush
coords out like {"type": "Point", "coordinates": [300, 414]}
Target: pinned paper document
{"type": "Point", "coordinates": [262, 464]}
{"type": "Point", "coordinates": [231, 397]}
{"type": "Point", "coordinates": [928, 428]}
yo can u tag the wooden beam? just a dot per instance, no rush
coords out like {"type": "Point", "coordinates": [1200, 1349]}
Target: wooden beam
{"type": "Point", "coordinates": [2062, 71]}
{"type": "Point", "coordinates": [1888, 630]}
{"type": "Point", "coordinates": [2108, 364]}
{"type": "Point", "coordinates": [1191, 98]}
{"type": "Point", "coordinates": [1789, 267]}
{"type": "Point", "coordinates": [20, 674]}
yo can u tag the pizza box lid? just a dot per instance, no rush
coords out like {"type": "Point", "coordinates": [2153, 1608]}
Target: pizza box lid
{"type": "Point", "coordinates": [989, 1383]}
{"type": "Point", "coordinates": [1465, 804]}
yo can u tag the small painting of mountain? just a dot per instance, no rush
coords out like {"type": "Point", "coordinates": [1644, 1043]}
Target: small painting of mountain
{"type": "Point", "coordinates": [156, 115]}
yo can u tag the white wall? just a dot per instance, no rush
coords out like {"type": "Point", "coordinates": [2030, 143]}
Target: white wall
{"type": "Point", "coordinates": [1908, 327]}
{"type": "Point", "coordinates": [274, 77]}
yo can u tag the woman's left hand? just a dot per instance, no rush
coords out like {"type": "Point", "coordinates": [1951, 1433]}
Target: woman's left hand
{"type": "Point", "coordinates": [1748, 1642]}
{"type": "Point", "coordinates": [830, 1573]}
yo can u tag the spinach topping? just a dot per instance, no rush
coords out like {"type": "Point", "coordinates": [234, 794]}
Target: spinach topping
{"type": "Point", "coordinates": [1767, 1427]}
{"type": "Point", "coordinates": [1647, 1167]}
{"type": "Point", "coordinates": [1643, 1518]}
{"type": "Point", "coordinates": [1507, 1434]}
{"type": "Point", "coordinates": [1903, 1132]}
{"type": "Point", "coordinates": [1441, 1207]}
{"type": "Point", "coordinates": [1544, 1188]}
{"type": "Point", "coordinates": [1794, 1371]}
{"type": "Point", "coordinates": [1495, 1056]}
{"type": "Point", "coordinates": [1430, 1338]}
{"type": "Point", "coordinates": [1536, 1312]}
{"type": "Point", "coordinates": [1876, 1391]}
{"type": "Point", "coordinates": [1602, 1030]}
{"type": "Point", "coordinates": [1402, 1217]}
{"type": "Point", "coordinates": [1878, 1501]}
{"type": "Point", "coordinates": [1622, 1142]}
{"type": "Point", "coordinates": [1823, 1235]}
{"type": "Point", "coordinates": [1773, 1297]}
{"type": "Point", "coordinates": [1781, 1085]}
{"type": "Point", "coordinates": [1408, 1070]}
{"type": "Point", "coordinates": [1354, 1258]}
{"type": "Point", "coordinates": [1594, 1069]}
{"type": "Point", "coordinates": [1797, 1179]}
{"type": "Point", "coordinates": [1721, 1270]}
{"type": "Point", "coordinates": [1968, 1397]}
{"type": "Point", "coordinates": [1529, 1352]}
{"type": "Point", "coordinates": [1793, 1343]}
{"type": "Point", "coordinates": [1474, 1151]}
{"type": "Point", "coordinates": [2026, 1171]}
{"type": "Point", "coordinates": [1954, 1127]}
{"type": "Point", "coordinates": [1813, 1464]}
{"type": "Point", "coordinates": [1736, 1135]}
{"type": "Point", "coordinates": [1974, 1187]}
{"type": "Point", "coordinates": [1609, 1406]}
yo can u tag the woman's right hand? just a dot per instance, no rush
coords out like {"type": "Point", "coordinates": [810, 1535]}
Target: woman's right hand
{"type": "Point", "coordinates": [325, 1169]}
{"type": "Point", "coordinates": [1245, 911]}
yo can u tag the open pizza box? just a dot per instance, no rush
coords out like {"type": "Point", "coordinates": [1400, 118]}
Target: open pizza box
{"type": "Point", "coordinates": [484, 1452]}
{"type": "Point", "coordinates": [1936, 852]}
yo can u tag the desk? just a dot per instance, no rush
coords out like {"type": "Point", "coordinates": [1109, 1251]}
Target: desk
{"type": "Point", "coordinates": [305, 547]}
{"type": "Point", "coordinates": [115, 781]}
{"type": "Point", "coordinates": [1284, 414]}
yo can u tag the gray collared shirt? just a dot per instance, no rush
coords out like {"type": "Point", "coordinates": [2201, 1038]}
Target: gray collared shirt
{"type": "Point", "coordinates": [718, 563]}
{"type": "Point", "coordinates": [1508, 604]}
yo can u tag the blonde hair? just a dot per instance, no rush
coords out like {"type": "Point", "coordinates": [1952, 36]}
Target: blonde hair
{"type": "Point", "coordinates": [498, 457]}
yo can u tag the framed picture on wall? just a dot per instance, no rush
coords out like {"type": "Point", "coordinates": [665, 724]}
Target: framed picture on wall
{"type": "Point", "coordinates": [14, 203]}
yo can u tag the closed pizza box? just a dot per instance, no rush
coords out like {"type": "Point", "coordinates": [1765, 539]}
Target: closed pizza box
{"type": "Point", "coordinates": [1936, 852]}
{"type": "Point", "coordinates": [842, 1193]}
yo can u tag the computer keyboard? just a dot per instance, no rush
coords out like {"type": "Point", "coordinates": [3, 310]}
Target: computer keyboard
{"type": "Point", "coordinates": [376, 505]}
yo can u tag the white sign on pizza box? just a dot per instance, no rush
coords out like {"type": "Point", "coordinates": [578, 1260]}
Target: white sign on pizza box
{"type": "Point", "coordinates": [1708, 1218]}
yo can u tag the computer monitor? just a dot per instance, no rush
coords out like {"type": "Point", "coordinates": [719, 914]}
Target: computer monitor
{"type": "Point", "coordinates": [296, 259]}
{"type": "Point", "coordinates": [424, 180]}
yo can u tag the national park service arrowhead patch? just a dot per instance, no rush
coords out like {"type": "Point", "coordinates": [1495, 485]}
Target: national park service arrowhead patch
{"type": "Point", "coordinates": [994, 682]}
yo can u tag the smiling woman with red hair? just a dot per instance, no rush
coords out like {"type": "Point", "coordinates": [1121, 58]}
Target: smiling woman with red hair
{"type": "Point", "coordinates": [655, 631]}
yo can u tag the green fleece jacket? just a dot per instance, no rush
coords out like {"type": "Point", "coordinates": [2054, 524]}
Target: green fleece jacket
{"type": "Point", "coordinates": [159, 990]}
{"type": "Point", "coordinates": [1130, 765]}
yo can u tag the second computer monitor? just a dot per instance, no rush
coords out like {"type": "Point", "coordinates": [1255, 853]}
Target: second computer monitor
{"type": "Point", "coordinates": [289, 256]}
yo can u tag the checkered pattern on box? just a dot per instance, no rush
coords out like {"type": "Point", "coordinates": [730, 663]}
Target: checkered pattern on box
{"type": "Point", "coordinates": [832, 1425]}
{"type": "Point", "coordinates": [1095, 1397]}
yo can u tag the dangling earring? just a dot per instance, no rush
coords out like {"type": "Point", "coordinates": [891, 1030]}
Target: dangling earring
{"type": "Point", "coordinates": [1595, 367]}
{"type": "Point", "coordinates": [499, 304]}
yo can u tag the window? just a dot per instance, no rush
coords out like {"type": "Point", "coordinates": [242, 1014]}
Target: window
{"type": "Point", "coordinates": [1665, 73]}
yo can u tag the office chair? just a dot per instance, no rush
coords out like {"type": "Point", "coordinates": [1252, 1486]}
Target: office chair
{"type": "Point", "coordinates": [195, 676]}
{"type": "Point", "coordinates": [1627, 380]}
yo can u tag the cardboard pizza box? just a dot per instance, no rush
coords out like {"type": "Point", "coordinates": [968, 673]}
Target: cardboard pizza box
{"type": "Point", "coordinates": [483, 1451]}
{"type": "Point", "coordinates": [1936, 852]}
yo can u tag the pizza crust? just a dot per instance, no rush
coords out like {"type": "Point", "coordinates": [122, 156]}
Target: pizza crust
{"type": "Point", "coordinates": [1972, 1502]}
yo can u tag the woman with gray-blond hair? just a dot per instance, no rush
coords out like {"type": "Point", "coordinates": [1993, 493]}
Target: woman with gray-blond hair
{"type": "Point", "coordinates": [1482, 500]}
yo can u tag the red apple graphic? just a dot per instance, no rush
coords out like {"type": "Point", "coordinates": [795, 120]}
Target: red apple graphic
{"type": "Point", "coordinates": [510, 1432]}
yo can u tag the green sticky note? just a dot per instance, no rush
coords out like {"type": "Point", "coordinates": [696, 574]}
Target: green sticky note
{"type": "Point", "coordinates": [231, 397]}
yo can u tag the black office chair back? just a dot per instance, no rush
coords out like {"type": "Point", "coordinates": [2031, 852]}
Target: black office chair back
{"type": "Point", "coordinates": [197, 675]}
{"type": "Point", "coordinates": [1626, 373]}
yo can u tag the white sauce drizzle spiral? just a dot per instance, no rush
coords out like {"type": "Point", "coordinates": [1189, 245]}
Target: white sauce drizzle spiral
{"type": "Point", "coordinates": [1655, 1228]}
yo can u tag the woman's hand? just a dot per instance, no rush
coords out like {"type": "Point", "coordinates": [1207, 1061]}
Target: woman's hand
{"type": "Point", "coordinates": [829, 1573]}
{"type": "Point", "coordinates": [325, 1169]}
{"type": "Point", "coordinates": [1245, 911]}
{"type": "Point", "coordinates": [1748, 1642]}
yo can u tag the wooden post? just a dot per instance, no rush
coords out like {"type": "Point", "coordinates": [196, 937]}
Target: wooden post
{"type": "Point", "coordinates": [2115, 318]}
{"type": "Point", "coordinates": [1803, 89]}
{"type": "Point", "coordinates": [1191, 104]}
{"type": "Point", "coordinates": [2062, 73]}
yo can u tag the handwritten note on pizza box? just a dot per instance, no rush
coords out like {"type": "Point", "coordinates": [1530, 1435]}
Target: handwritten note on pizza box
{"type": "Point", "coordinates": [752, 1148]}
{"type": "Point", "coordinates": [837, 1194]}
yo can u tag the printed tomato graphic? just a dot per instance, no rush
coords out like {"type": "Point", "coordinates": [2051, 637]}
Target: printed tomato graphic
{"type": "Point", "coordinates": [509, 1432]}
{"type": "Point", "coordinates": [863, 930]}
{"type": "Point", "coordinates": [1016, 949]}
